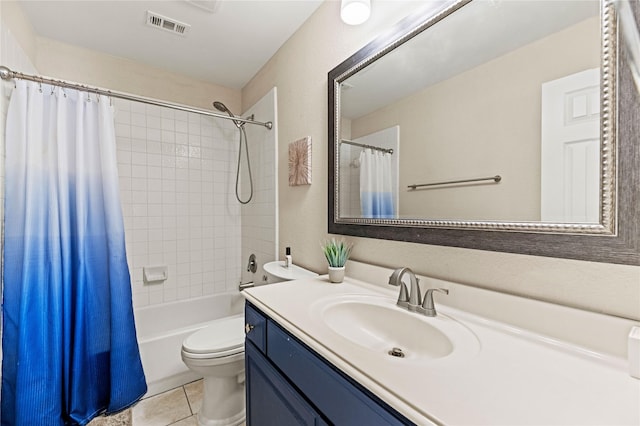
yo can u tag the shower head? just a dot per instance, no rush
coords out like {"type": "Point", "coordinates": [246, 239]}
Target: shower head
{"type": "Point", "coordinates": [222, 108]}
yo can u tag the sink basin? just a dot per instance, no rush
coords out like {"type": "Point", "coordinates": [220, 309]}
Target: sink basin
{"type": "Point", "coordinates": [378, 325]}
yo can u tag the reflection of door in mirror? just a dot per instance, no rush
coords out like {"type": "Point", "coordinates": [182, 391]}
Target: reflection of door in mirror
{"type": "Point", "coordinates": [369, 176]}
{"type": "Point", "coordinates": [570, 173]}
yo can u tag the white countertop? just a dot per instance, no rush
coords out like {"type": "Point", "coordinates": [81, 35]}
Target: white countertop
{"type": "Point", "coordinates": [515, 377]}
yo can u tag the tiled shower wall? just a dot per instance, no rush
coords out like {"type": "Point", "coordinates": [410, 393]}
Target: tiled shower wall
{"type": "Point", "coordinates": [177, 177]}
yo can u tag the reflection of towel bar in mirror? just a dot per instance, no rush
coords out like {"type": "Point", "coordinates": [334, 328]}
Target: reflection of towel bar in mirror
{"type": "Point", "coordinates": [496, 179]}
{"type": "Point", "coordinates": [362, 145]}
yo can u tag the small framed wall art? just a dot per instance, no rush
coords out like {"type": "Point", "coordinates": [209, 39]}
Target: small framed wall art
{"type": "Point", "coordinates": [300, 162]}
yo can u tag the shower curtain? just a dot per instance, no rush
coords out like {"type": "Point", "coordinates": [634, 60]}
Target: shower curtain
{"type": "Point", "coordinates": [376, 185]}
{"type": "Point", "coordinates": [69, 341]}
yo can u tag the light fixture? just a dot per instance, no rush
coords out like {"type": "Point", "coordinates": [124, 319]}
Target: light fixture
{"type": "Point", "coordinates": [355, 12]}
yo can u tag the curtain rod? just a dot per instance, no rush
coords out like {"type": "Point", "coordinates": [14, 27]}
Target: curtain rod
{"type": "Point", "coordinates": [7, 74]}
{"type": "Point", "coordinates": [362, 145]}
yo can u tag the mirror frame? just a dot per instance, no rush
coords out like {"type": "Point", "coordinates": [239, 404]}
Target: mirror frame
{"type": "Point", "coordinates": [616, 239]}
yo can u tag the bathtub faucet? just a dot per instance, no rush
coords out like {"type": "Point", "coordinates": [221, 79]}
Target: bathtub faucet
{"type": "Point", "coordinates": [253, 265]}
{"type": "Point", "coordinates": [242, 285]}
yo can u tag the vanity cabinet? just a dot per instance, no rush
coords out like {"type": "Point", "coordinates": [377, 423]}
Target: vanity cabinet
{"type": "Point", "coordinates": [289, 384]}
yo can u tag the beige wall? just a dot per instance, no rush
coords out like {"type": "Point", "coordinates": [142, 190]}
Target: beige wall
{"type": "Point", "coordinates": [63, 61]}
{"type": "Point", "coordinates": [18, 24]}
{"type": "Point", "coordinates": [482, 122]}
{"type": "Point", "coordinates": [299, 69]}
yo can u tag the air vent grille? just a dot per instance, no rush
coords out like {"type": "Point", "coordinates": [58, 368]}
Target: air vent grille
{"type": "Point", "coordinates": [162, 22]}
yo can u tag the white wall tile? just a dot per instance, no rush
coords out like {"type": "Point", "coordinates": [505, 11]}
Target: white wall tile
{"type": "Point", "coordinates": [169, 203]}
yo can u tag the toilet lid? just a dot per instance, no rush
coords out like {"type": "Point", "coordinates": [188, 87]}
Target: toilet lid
{"type": "Point", "coordinates": [220, 337]}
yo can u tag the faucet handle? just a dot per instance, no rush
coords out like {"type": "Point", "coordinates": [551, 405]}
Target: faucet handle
{"type": "Point", "coordinates": [403, 297]}
{"type": "Point", "coordinates": [428, 308]}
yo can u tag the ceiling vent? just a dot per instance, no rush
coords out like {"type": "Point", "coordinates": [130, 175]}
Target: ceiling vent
{"type": "Point", "coordinates": [162, 22]}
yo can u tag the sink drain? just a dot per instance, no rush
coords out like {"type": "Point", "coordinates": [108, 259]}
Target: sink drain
{"type": "Point", "coordinates": [397, 352]}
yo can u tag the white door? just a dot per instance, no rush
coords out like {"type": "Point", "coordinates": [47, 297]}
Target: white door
{"type": "Point", "coordinates": [570, 173]}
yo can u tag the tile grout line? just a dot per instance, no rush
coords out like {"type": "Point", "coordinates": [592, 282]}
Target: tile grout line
{"type": "Point", "coordinates": [190, 409]}
{"type": "Point", "coordinates": [188, 402]}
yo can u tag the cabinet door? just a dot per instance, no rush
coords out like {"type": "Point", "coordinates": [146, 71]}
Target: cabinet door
{"type": "Point", "coordinates": [271, 400]}
{"type": "Point", "coordinates": [255, 327]}
{"type": "Point", "coordinates": [339, 399]}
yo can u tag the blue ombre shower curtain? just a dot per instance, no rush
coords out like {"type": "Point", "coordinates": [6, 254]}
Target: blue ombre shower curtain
{"type": "Point", "coordinates": [376, 185]}
{"type": "Point", "coordinates": [69, 341]}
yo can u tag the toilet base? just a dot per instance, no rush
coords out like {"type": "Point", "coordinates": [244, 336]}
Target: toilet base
{"type": "Point", "coordinates": [236, 420]}
{"type": "Point", "coordinates": [223, 402]}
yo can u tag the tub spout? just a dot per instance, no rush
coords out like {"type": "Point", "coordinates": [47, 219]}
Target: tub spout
{"type": "Point", "coordinates": [242, 286]}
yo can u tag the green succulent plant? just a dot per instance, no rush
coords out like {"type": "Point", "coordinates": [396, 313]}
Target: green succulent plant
{"type": "Point", "coordinates": [336, 252]}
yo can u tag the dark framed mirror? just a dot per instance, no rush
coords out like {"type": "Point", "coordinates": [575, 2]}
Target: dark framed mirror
{"type": "Point", "coordinates": [503, 126]}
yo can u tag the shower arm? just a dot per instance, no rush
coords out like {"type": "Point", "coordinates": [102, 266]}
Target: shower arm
{"type": "Point", "coordinates": [8, 74]}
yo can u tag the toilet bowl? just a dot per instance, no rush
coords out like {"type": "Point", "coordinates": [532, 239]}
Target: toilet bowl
{"type": "Point", "coordinates": [216, 352]}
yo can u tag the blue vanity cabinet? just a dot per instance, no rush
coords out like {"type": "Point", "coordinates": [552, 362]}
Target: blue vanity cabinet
{"type": "Point", "coordinates": [271, 400]}
{"type": "Point", "coordinates": [289, 384]}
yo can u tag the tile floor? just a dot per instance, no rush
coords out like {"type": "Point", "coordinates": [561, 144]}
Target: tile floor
{"type": "Point", "coordinates": [175, 407]}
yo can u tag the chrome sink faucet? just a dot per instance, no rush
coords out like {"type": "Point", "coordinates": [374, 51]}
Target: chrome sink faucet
{"type": "Point", "coordinates": [428, 308]}
{"type": "Point", "coordinates": [410, 300]}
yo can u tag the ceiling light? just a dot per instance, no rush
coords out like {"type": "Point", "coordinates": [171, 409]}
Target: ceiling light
{"type": "Point", "coordinates": [355, 12]}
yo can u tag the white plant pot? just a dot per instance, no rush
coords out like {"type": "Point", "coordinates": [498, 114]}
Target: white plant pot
{"type": "Point", "coordinates": [336, 274]}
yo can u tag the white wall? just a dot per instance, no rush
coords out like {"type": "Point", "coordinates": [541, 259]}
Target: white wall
{"type": "Point", "coordinates": [299, 70]}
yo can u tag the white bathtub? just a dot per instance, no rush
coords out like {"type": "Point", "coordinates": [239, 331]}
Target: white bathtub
{"type": "Point", "coordinates": [162, 328]}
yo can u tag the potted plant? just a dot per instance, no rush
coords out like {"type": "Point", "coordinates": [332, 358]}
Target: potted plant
{"type": "Point", "coordinates": [337, 254]}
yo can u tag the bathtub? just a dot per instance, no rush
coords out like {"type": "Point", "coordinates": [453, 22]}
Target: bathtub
{"type": "Point", "coordinates": [162, 328]}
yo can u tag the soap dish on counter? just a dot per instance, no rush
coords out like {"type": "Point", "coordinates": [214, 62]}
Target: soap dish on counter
{"type": "Point", "coordinates": [293, 272]}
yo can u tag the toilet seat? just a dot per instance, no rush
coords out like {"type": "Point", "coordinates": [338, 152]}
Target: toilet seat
{"type": "Point", "coordinates": [222, 338]}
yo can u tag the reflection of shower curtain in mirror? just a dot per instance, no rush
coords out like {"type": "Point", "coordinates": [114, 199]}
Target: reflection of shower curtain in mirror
{"type": "Point", "coordinates": [376, 185]}
{"type": "Point", "coordinates": [69, 342]}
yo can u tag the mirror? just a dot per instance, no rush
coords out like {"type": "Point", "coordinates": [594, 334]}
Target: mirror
{"type": "Point", "coordinates": [485, 124]}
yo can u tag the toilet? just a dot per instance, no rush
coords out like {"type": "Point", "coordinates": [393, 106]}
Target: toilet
{"type": "Point", "coordinates": [216, 352]}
